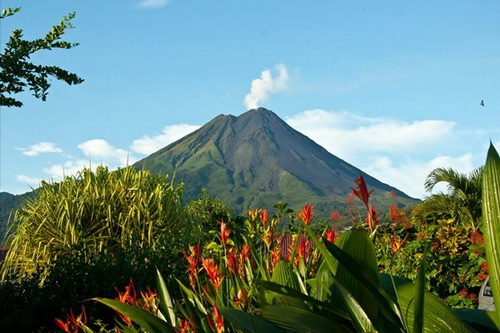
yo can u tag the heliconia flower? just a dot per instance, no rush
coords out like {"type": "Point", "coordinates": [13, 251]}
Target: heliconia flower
{"type": "Point", "coordinates": [362, 191]}
{"type": "Point", "coordinates": [213, 272]}
{"type": "Point", "coordinates": [215, 321]}
{"type": "Point", "coordinates": [306, 214]}
{"type": "Point", "coordinates": [252, 214]}
{"type": "Point", "coordinates": [224, 233]}
{"type": "Point", "coordinates": [267, 236]}
{"type": "Point", "coordinates": [245, 253]}
{"type": "Point", "coordinates": [231, 261]}
{"type": "Point", "coordinates": [330, 235]}
{"type": "Point", "coordinates": [275, 256]}
{"type": "Point", "coordinates": [335, 216]}
{"type": "Point", "coordinates": [186, 327]}
{"type": "Point", "coordinates": [149, 301]}
{"type": "Point", "coordinates": [303, 248]}
{"type": "Point", "coordinates": [193, 260]}
{"type": "Point", "coordinates": [241, 298]}
{"type": "Point", "coordinates": [264, 216]}
{"type": "Point", "coordinates": [397, 244]}
{"type": "Point", "coordinates": [72, 323]}
{"type": "Point", "coordinates": [371, 217]}
{"type": "Point", "coordinates": [129, 295]}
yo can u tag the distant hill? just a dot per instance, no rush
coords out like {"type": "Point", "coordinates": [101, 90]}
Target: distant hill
{"type": "Point", "coordinates": [256, 159]}
{"type": "Point", "coordinates": [8, 203]}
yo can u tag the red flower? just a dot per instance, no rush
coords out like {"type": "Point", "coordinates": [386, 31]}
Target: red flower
{"type": "Point", "coordinates": [484, 266]}
{"type": "Point", "coordinates": [224, 233]}
{"type": "Point", "coordinates": [193, 260]}
{"type": "Point", "coordinates": [306, 214]}
{"type": "Point", "coordinates": [72, 323]}
{"type": "Point", "coordinates": [215, 322]}
{"type": "Point", "coordinates": [463, 293]}
{"type": "Point", "coordinates": [275, 256]}
{"type": "Point", "coordinates": [335, 216]}
{"type": "Point", "coordinates": [231, 261]}
{"type": "Point", "coordinates": [397, 244]}
{"type": "Point", "coordinates": [481, 277]}
{"type": "Point", "coordinates": [213, 272]}
{"type": "Point", "coordinates": [128, 296]}
{"type": "Point", "coordinates": [477, 238]}
{"type": "Point", "coordinates": [362, 191]}
{"type": "Point", "coordinates": [371, 217]}
{"type": "Point", "coordinates": [330, 235]}
{"type": "Point", "coordinates": [435, 246]}
{"type": "Point", "coordinates": [303, 248]}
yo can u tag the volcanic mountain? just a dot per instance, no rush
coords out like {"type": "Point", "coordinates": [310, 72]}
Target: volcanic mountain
{"type": "Point", "coordinates": [256, 159]}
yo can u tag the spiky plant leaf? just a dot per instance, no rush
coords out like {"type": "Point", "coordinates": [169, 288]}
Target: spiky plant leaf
{"type": "Point", "coordinates": [166, 304]}
{"type": "Point", "coordinates": [294, 319]}
{"type": "Point", "coordinates": [491, 221]}
{"type": "Point", "coordinates": [144, 319]}
{"type": "Point", "coordinates": [247, 322]}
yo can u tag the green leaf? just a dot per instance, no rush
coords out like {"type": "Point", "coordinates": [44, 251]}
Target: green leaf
{"type": "Point", "coordinates": [438, 316]}
{"type": "Point", "coordinates": [166, 304]}
{"type": "Point", "coordinates": [284, 275]}
{"type": "Point", "coordinates": [358, 316]}
{"type": "Point", "coordinates": [383, 301]}
{"type": "Point", "coordinates": [144, 319]}
{"type": "Point", "coordinates": [294, 319]}
{"type": "Point", "coordinates": [491, 221]}
{"type": "Point", "coordinates": [418, 320]}
{"type": "Point", "coordinates": [247, 322]}
{"type": "Point", "coordinates": [297, 294]}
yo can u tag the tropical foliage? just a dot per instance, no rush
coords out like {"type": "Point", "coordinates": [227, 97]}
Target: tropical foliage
{"type": "Point", "coordinates": [18, 73]}
{"type": "Point", "coordinates": [282, 272]}
{"type": "Point", "coordinates": [91, 213]}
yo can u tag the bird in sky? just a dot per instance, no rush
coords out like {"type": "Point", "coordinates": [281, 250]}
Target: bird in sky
{"type": "Point", "coordinates": [482, 103]}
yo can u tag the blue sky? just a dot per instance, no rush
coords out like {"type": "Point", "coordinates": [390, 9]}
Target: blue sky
{"type": "Point", "coordinates": [392, 87]}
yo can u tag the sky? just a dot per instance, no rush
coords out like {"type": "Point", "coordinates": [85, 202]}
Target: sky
{"type": "Point", "coordinates": [391, 87]}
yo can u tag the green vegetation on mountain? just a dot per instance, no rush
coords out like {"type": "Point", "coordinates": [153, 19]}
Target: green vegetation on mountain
{"type": "Point", "coordinates": [256, 160]}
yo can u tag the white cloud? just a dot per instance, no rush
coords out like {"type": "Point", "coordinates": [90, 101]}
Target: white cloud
{"type": "Point", "coordinates": [382, 147]}
{"type": "Point", "coordinates": [41, 148]}
{"type": "Point", "coordinates": [57, 172]}
{"type": "Point", "coordinates": [101, 149]}
{"type": "Point", "coordinates": [148, 145]}
{"type": "Point", "coordinates": [266, 85]}
{"type": "Point", "coordinates": [348, 135]}
{"type": "Point", "coordinates": [30, 181]}
{"type": "Point", "coordinates": [409, 175]}
{"type": "Point", "coordinates": [153, 3]}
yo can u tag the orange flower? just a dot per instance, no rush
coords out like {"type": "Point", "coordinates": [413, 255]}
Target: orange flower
{"type": "Point", "coordinates": [193, 260]}
{"type": "Point", "coordinates": [128, 296]}
{"type": "Point", "coordinates": [481, 277]}
{"type": "Point", "coordinates": [241, 298]}
{"type": "Point", "coordinates": [267, 236]}
{"type": "Point", "coordinates": [72, 323]}
{"type": "Point", "coordinates": [264, 216]}
{"type": "Point", "coordinates": [362, 191]}
{"type": "Point", "coordinates": [213, 272]}
{"type": "Point", "coordinates": [224, 233]}
{"type": "Point", "coordinates": [149, 301]}
{"type": "Point", "coordinates": [306, 214]}
{"type": "Point", "coordinates": [371, 217]}
{"type": "Point", "coordinates": [231, 261]}
{"type": "Point", "coordinates": [397, 244]}
{"type": "Point", "coordinates": [275, 256]}
{"type": "Point", "coordinates": [303, 248]}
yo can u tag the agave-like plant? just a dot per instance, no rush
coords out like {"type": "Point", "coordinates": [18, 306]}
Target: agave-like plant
{"type": "Point", "coordinates": [89, 213]}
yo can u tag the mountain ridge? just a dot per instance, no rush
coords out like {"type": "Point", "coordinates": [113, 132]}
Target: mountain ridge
{"type": "Point", "coordinates": [245, 159]}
